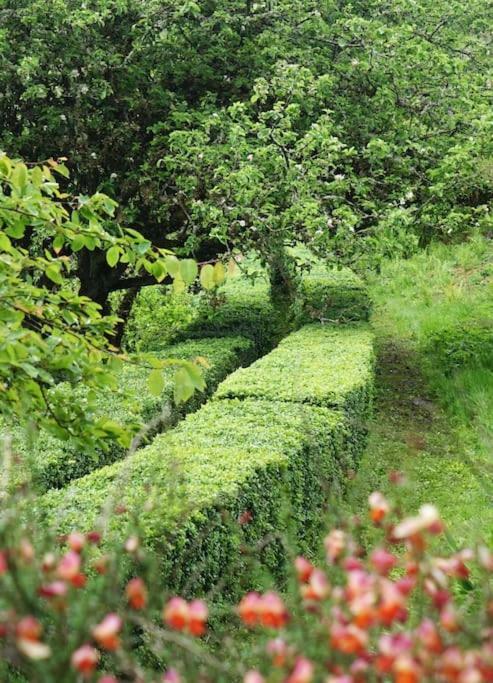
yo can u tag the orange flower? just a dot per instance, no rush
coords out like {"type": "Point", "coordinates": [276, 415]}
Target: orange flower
{"type": "Point", "coordinates": [272, 612]}
{"type": "Point", "coordinates": [249, 607]}
{"type": "Point", "coordinates": [76, 541]}
{"type": "Point", "coordinates": [28, 628]}
{"type": "Point", "coordinates": [382, 561]}
{"type": "Point", "coordinates": [175, 613]}
{"type": "Point", "coordinates": [427, 519]}
{"type": "Point", "coordinates": [317, 587]}
{"type": "Point", "coordinates": [183, 616]}
{"type": "Point", "coordinates": [85, 659]}
{"type": "Point", "coordinates": [335, 544]}
{"type": "Point", "coordinates": [136, 593]}
{"type": "Point", "coordinates": [106, 632]}
{"type": "Point", "coordinates": [197, 614]}
{"type": "Point", "coordinates": [406, 670]}
{"type": "Point", "coordinates": [349, 638]}
{"type": "Point", "coordinates": [303, 568]}
{"type": "Point", "coordinates": [379, 507]}
{"type": "Point", "coordinates": [69, 569]}
{"type": "Point", "coordinates": [267, 610]}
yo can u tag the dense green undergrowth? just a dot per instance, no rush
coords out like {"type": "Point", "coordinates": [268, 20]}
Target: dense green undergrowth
{"type": "Point", "coordinates": [433, 322]}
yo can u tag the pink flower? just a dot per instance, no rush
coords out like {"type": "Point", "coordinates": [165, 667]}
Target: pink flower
{"type": "Point", "coordinates": [253, 677]}
{"type": "Point", "coordinates": [382, 561]}
{"type": "Point", "coordinates": [335, 544]}
{"type": "Point", "coordinates": [302, 671]}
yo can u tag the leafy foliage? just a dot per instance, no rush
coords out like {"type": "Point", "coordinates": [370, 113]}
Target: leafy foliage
{"type": "Point", "coordinates": [51, 336]}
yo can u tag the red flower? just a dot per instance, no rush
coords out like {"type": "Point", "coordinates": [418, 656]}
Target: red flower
{"type": "Point", "coordinates": [56, 589]}
{"type": "Point", "coordinates": [106, 632]}
{"type": "Point", "coordinates": [85, 660]}
{"type": "Point", "coordinates": [4, 566]}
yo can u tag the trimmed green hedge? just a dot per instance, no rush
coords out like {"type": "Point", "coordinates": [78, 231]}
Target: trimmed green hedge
{"type": "Point", "coordinates": [330, 296]}
{"type": "Point", "coordinates": [54, 462]}
{"type": "Point", "coordinates": [324, 365]}
{"type": "Point", "coordinates": [241, 307]}
{"type": "Point", "coordinates": [276, 461]}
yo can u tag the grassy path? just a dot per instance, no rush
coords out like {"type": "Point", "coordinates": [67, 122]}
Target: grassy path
{"type": "Point", "coordinates": [411, 433]}
{"type": "Point", "coordinates": [436, 428]}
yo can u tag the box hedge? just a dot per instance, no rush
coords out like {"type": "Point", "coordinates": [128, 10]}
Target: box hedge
{"type": "Point", "coordinates": [330, 295]}
{"type": "Point", "coordinates": [277, 462]}
{"type": "Point", "coordinates": [54, 463]}
{"type": "Point", "coordinates": [241, 307]}
{"type": "Point", "coordinates": [324, 365]}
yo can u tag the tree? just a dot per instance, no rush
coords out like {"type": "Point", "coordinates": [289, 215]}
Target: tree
{"type": "Point", "coordinates": [53, 338]}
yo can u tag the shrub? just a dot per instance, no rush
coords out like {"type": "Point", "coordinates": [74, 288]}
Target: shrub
{"type": "Point", "coordinates": [330, 296]}
{"type": "Point", "coordinates": [393, 612]}
{"type": "Point", "coordinates": [157, 316]}
{"type": "Point", "coordinates": [459, 344]}
{"type": "Point", "coordinates": [273, 462]}
{"type": "Point", "coordinates": [242, 307]}
{"type": "Point", "coordinates": [53, 463]}
{"type": "Point", "coordinates": [325, 365]}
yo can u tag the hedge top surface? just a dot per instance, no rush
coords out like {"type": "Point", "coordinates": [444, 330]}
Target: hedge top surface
{"type": "Point", "coordinates": [319, 364]}
{"type": "Point", "coordinates": [202, 462]}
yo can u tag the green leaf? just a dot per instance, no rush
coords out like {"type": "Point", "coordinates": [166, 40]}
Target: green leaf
{"type": "Point", "coordinates": [156, 382]}
{"type": "Point", "coordinates": [53, 273]}
{"type": "Point", "coordinates": [196, 375]}
{"type": "Point", "coordinates": [19, 177]}
{"type": "Point", "coordinates": [178, 285]}
{"type": "Point", "coordinates": [172, 265]}
{"type": "Point", "coordinates": [207, 277]}
{"type": "Point", "coordinates": [5, 243]}
{"type": "Point", "coordinates": [188, 270]}
{"type": "Point", "coordinates": [219, 273]}
{"type": "Point", "coordinates": [184, 386]}
{"type": "Point", "coordinates": [112, 256]}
